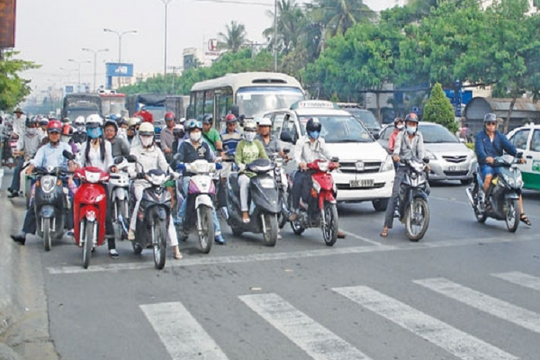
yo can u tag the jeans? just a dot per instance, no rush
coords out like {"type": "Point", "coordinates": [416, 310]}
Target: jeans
{"type": "Point", "coordinates": [182, 210]}
{"type": "Point", "coordinates": [389, 216]}
{"type": "Point", "coordinates": [16, 182]}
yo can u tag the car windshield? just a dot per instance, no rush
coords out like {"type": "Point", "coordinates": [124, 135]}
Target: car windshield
{"type": "Point", "coordinates": [366, 117]}
{"type": "Point", "coordinates": [340, 129]}
{"type": "Point", "coordinates": [434, 134]}
{"type": "Point", "coordinates": [253, 101]}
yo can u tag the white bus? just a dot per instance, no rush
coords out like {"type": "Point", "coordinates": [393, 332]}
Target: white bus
{"type": "Point", "coordinates": [253, 92]}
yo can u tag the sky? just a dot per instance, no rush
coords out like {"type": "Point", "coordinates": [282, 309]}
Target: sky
{"type": "Point", "coordinates": [50, 32]}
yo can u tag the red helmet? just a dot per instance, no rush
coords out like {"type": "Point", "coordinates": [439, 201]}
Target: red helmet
{"type": "Point", "coordinates": [230, 118]}
{"type": "Point", "coordinates": [146, 116]}
{"type": "Point", "coordinates": [54, 126]}
{"type": "Point", "coordinates": [169, 116]}
{"type": "Point", "coordinates": [67, 130]}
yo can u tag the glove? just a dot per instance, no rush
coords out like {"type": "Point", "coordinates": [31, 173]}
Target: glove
{"type": "Point", "coordinates": [140, 175]}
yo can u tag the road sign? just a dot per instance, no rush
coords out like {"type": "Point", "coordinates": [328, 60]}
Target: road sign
{"type": "Point", "coordinates": [119, 69]}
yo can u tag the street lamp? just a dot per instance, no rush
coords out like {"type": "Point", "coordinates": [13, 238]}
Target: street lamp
{"type": "Point", "coordinates": [79, 62]}
{"type": "Point", "coordinates": [166, 3]}
{"type": "Point", "coordinates": [120, 34]}
{"type": "Point", "coordinates": [95, 61]}
{"type": "Point", "coordinates": [275, 35]}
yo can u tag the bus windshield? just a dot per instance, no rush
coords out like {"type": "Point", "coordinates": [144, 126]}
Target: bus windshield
{"type": "Point", "coordinates": [112, 105]}
{"type": "Point", "coordinates": [254, 101]}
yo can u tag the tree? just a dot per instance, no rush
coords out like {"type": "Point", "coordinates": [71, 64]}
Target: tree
{"type": "Point", "coordinates": [234, 37]}
{"type": "Point", "coordinates": [340, 15]}
{"type": "Point", "coordinates": [439, 110]}
{"type": "Point", "coordinates": [290, 27]}
{"type": "Point", "coordinates": [13, 88]}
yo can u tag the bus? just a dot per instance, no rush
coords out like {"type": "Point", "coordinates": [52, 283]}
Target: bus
{"type": "Point", "coordinates": [253, 93]}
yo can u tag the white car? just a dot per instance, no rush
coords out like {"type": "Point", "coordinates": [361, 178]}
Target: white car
{"type": "Point", "coordinates": [366, 171]}
{"type": "Point", "coordinates": [527, 140]}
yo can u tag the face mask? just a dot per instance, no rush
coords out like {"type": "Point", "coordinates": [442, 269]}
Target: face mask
{"type": "Point", "coordinates": [411, 130]}
{"type": "Point", "coordinates": [80, 128]}
{"type": "Point", "coordinates": [65, 139]}
{"type": "Point", "coordinates": [147, 141]}
{"type": "Point", "coordinates": [400, 127]}
{"type": "Point", "coordinates": [195, 136]}
{"type": "Point", "coordinates": [31, 131]}
{"type": "Point", "coordinates": [93, 133]}
{"type": "Point", "coordinates": [314, 134]}
{"type": "Point", "coordinates": [249, 136]}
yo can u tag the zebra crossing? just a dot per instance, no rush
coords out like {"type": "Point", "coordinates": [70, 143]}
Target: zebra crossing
{"type": "Point", "coordinates": [185, 338]}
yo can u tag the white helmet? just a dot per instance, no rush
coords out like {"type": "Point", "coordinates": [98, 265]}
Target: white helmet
{"type": "Point", "coordinates": [79, 120]}
{"type": "Point", "coordinates": [94, 120]}
{"type": "Point", "coordinates": [264, 121]}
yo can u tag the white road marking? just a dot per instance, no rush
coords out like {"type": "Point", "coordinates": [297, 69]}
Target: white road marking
{"type": "Point", "coordinates": [501, 309]}
{"type": "Point", "coordinates": [521, 279]}
{"type": "Point", "coordinates": [456, 342]}
{"type": "Point", "coordinates": [316, 340]}
{"type": "Point", "coordinates": [348, 233]}
{"type": "Point", "coordinates": [183, 336]}
{"type": "Point", "coordinates": [236, 259]}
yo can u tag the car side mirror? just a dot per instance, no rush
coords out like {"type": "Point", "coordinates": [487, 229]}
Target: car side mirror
{"type": "Point", "coordinates": [286, 137]}
{"type": "Point", "coordinates": [376, 136]}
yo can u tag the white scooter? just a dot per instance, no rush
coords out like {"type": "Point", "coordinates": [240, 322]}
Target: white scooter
{"type": "Point", "coordinates": [118, 190]}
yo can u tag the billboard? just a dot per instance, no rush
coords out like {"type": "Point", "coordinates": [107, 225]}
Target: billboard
{"type": "Point", "coordinates": [7, 23]}
{"type": "Point", "coordinates": [119, 69]}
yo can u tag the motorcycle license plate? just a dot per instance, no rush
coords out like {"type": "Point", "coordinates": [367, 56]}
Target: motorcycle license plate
{"type": "Point", "coordinates": [361, 183]}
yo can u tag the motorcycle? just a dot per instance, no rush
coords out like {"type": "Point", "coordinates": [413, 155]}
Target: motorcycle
{"type": "Point", "coordinates": [504, 194]}
{"type": "Point", "coordinates": [51, 204]}
{"type": "Point", "coordinates": [90, 210]}
{"type": "Point", "coordinates": [320, 210]}
{"type": "Point", "coordinates": [264, 202]}
{"type": "Point", "coordinates": [413, 206]}
{"type": "Point", "coordinates": [200, 205]}
{"type": "Point", "coordinates": [153, 217]}
{"type": "Point", "coordinates": [118, 191]}
{"type": "Point", "coordinates": [281, 183]}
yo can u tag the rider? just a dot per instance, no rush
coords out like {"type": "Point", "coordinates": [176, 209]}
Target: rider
{"type": "Point", "coordinates": [79, 135]}
{"type": "Point", "coordinates": [42, 129]}
{"type": "Point", "coordinates": [67, 137]}
{"type": "Point", "coordinates": [19, 123]}
{"type": "Point", "coordinates": [247, 151]}
{"type": "Point", "coordinates": [490, 143]}
{"type": "Point", "coordinates": [50, 154]}
{"type": "Point", "coordinates": [133, 127]}
{"type": "Point", "coordinates": [229, 140]}
{"type": "Point", "coordinates": [120, 146]}
{"type": "Point", "coordinates": [27, 146]}
{"type": "Point", "coordinates": [409, 144]}
{"type": "Point", "coordinates": [398, 126]}
{"type": "Point", "coordinates": [211, 135]}
{"type": "Point", "coordinates": [149, 157]}
{"type": "Point", "coordinates": [189, 151]}
{"type": "Point", "coordinates": [167, 136]}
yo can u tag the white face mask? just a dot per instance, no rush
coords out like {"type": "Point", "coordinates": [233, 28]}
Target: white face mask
{"type": "Point", "coordinates": [147, 141]}
{"type": "Point", "coordinates": [195, 136]}
{"type": "Point", "coordinates": [31, 131]}
{"type": "Point", "coordinates": [411, 130]}
{"type": "Point", "coordinates": [400, 127]}
{"type": "Point", "coordinates": [249, 136]}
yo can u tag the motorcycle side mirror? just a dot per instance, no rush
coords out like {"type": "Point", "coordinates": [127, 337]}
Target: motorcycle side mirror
{"type": "Point", "coordinates": [334, 159]}
{"type": "Point", "coordinates": [426, 160]}
{"type": "Point", "coordinates": [131, 159]}
{"type": "Point", "coordinates": [68, 155]}
{"type": "Point", "coordinates": [286, 151]}
{"type": "Point", "coordinates": [519, 155]}
{"type": "Point", "coordinates": [286, 137]}
{"type": "Point", "coordinates": [118, 160]}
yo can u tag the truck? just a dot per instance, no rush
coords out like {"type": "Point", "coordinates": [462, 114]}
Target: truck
{"type": "Point", "coordinates": [76, 105]}
{"type": "Point", "coordinates": [157, 105]}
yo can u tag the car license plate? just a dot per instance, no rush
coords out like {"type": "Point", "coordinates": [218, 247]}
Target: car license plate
{"type": "Point", "coordinates": [457, 168]}
{"type": "Point", "coordinates": [361, 183]}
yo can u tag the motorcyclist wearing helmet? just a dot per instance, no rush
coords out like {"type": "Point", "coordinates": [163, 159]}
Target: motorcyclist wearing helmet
{"type": "Point", "coordinates": [120, 146]}
{"type": "Point", "coordinates": [248, 150]}
{"type": "Point", "coordinates": [42, 128]}
{"type": "Point", "coordinates": [122, 127]}
{"type": "Point", "coordinates": [489, 144]}
{"type": "Point", "coordinates": [27, 146]}
{"type": "Point", "coordinates": [211, 135]}
{"type": "Point", "coordinates": [309, 148]}
{"type": "Point", "coordinates": [270, 142]}
{"type": "Point", "coordinates": [190, 150]}
{"type": "Point", "coordinates": [50, 154]}
{"type": "Point", "coordinates": [133, 127]}
{"type": "Point", "coordinates": [67, 137]}
{"type": "Point", "coordinates": [398, 126]}
{"type": "Point", "coordinates": [409, 143]}
{"type": "Point", "coordinates": [167, 136]}
{"type": "Point", "coordinates": [79, 135]}
{"type": "Point", "coordinates": [96, 151]}
{"type": "Point", "coordinates": [229, 140]}
{"type": "Point", "coordinates": [149, 157]}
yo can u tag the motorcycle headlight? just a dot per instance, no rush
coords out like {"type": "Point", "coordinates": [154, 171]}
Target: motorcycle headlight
{"type": "Point", "coordinates": [47, 184]}
{"type": "Point", "coordinates": [267, 183]}
{"type": "Point", "coordinates": [388, 164]}
{"type": "Point", "coordinates": [92, 177]}
{"type": "Point", "coordinates": [509, 180]}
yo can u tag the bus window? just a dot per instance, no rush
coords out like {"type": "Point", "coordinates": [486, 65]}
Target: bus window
{"type": "Point", "coordinates": [208, 103]}
{"type": "Point", "coordinates": [199, 104]}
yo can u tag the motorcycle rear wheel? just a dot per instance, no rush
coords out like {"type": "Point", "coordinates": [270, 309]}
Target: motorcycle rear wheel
{"type": "Point", "coordinates": [512, 216]}
{"type": "Point", "coordinates": [271, 233]}
{"type": "Point", "coordinates": [88, 243]}
{"type": "Point", "coordinates": [420, 212]}
{"type": "Point", "coordinates": [47, 237]}
{"type": "Point", "coordinates": [159, 242]}
{"type": "Point", "coordinates": [330, 227]}
{"type": "Point", "coordinates": [206, 236]}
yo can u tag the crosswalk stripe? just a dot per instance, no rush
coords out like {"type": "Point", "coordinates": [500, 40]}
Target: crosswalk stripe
{"type": "Point", "coordinates": [499, 308]}
{"type": "Point", "coordinates": [521, 279]}
{"type": "Point", "coordinates": [456, 342]}
{"type": "Point", "coordinates": [316, 340]}
{"type": "Point", "coordinates": [183, 336]}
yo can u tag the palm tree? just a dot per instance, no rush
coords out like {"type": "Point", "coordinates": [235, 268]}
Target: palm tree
{"type": "Point", "coordinates": [340, 15]}
{"type": "Point", "coordinates": [234, 37]}
{"type": "Point", "coordinates": [290, 26]}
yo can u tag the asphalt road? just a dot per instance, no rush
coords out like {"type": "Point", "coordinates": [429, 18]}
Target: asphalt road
{"type": "Point", "coordinates": [466, 291]}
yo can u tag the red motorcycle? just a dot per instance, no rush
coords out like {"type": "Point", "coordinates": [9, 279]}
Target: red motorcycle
{"type": "Point", "coordinates": [320, 209]}
{"type": "Point", "coordinates": [90, 210]}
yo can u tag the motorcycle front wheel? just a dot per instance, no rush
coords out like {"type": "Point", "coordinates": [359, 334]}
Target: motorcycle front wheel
{"type": "Point", "coordinates": [330, 225]}
{"type": "Point", "coordinates": [88, 240]}
{"type": "Point", "coordinates": [47, 241]}
{"type": "Point", "coordinates": [206, 234]}
{"type": "Point", "coordinates": [271, 227]}
{"type": "Point", "coordinates": [512, 216]}
{"type": "Point", "coordinates": [120, 211]}
{"type": "Point", "coordinates": [417, 220]}
{"type": "Point", "coordinates": [159, 244]}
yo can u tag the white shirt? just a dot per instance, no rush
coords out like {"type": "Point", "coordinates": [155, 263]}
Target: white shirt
{"type": "Point", "coordinates": [305, 151]}
{"type": "Point", "coordinates": [94, 156]}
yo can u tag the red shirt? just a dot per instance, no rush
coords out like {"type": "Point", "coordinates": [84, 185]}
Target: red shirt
{"type": "Point", "coordinates": [392, 140]}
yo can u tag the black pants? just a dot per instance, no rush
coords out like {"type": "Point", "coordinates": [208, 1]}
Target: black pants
{"type": "Point", "coordinates": [301, 187]}
{"type": "Point", "coordinates": [16, 182]}
{"type": "Point", "coordinates": [30, 220]}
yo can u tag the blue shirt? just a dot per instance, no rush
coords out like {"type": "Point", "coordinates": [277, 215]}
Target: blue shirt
{"type": "Point", "coordinates": [485, 148]}
{"type": "Point", "coordinates": [230, 141]}
{"type": "Point", "coordinates": [52, 156]}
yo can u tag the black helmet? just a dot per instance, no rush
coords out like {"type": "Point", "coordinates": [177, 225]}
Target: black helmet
{"type": "Point", "coordinates": [411, 117]}
{"type": "Point", "coordinates": [490, 117]}
{"type": "Point", "coordinates": [31, 121]}
{"type": "Point", "coordinates": [313, 124]}
{"type": "Point", "coordinates": [207, 119]}
{"type": "Point", "coordinates": [111, 123]}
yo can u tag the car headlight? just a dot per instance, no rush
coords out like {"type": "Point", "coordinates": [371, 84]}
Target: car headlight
{"type": "Point", "coordinates": [388, 164]}
{"type": "Point", "coordinates": [430, 155]}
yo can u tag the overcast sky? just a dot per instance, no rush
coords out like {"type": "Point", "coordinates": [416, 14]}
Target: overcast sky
{"type": "Point", "coordinates": [50, 32]}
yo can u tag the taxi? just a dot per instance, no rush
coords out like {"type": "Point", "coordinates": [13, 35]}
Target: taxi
{"type": "Point", "coordinates": [527, 140]}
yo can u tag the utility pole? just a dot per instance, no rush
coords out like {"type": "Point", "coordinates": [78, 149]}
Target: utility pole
{"type": "Point", "coordinates": [166, 3]}
{"type": "Point", "coordinates": [95, 52]}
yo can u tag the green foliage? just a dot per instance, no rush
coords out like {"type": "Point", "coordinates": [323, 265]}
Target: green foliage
{"type": "Point", "coordinates": [234, 37]}
{"type": "Point", "coordinates": [439, 110]}
{"type": "Point", "coordinates": [13, 88]}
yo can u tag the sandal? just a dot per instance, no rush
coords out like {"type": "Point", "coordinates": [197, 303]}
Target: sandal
{"type": "Point", "coordinates": [525, 219]}
{"type": "Point", "coordinates": [178, 255]}
{"type": "Point", "coordinates": [384, 232]}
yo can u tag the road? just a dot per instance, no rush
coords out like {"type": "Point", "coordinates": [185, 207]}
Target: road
{"type": "Point", "coordinates": [466, 291]}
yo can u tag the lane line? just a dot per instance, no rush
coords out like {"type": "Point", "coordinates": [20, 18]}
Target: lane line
{"type": "Point", "coordinates": [237, 259]}
{"type": "Point", "coordinates": [313, 338]}
{"type": "Point", "coordinates": [183, 336]}
{"type": "Point", "coordinates": [493, 306]}
{"type": "Point", "coordinates": [521, 279]}
{"type": "Point", "coordinates": [454, 341]}
{"type": "Point", "coordinates": [373, 242]}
